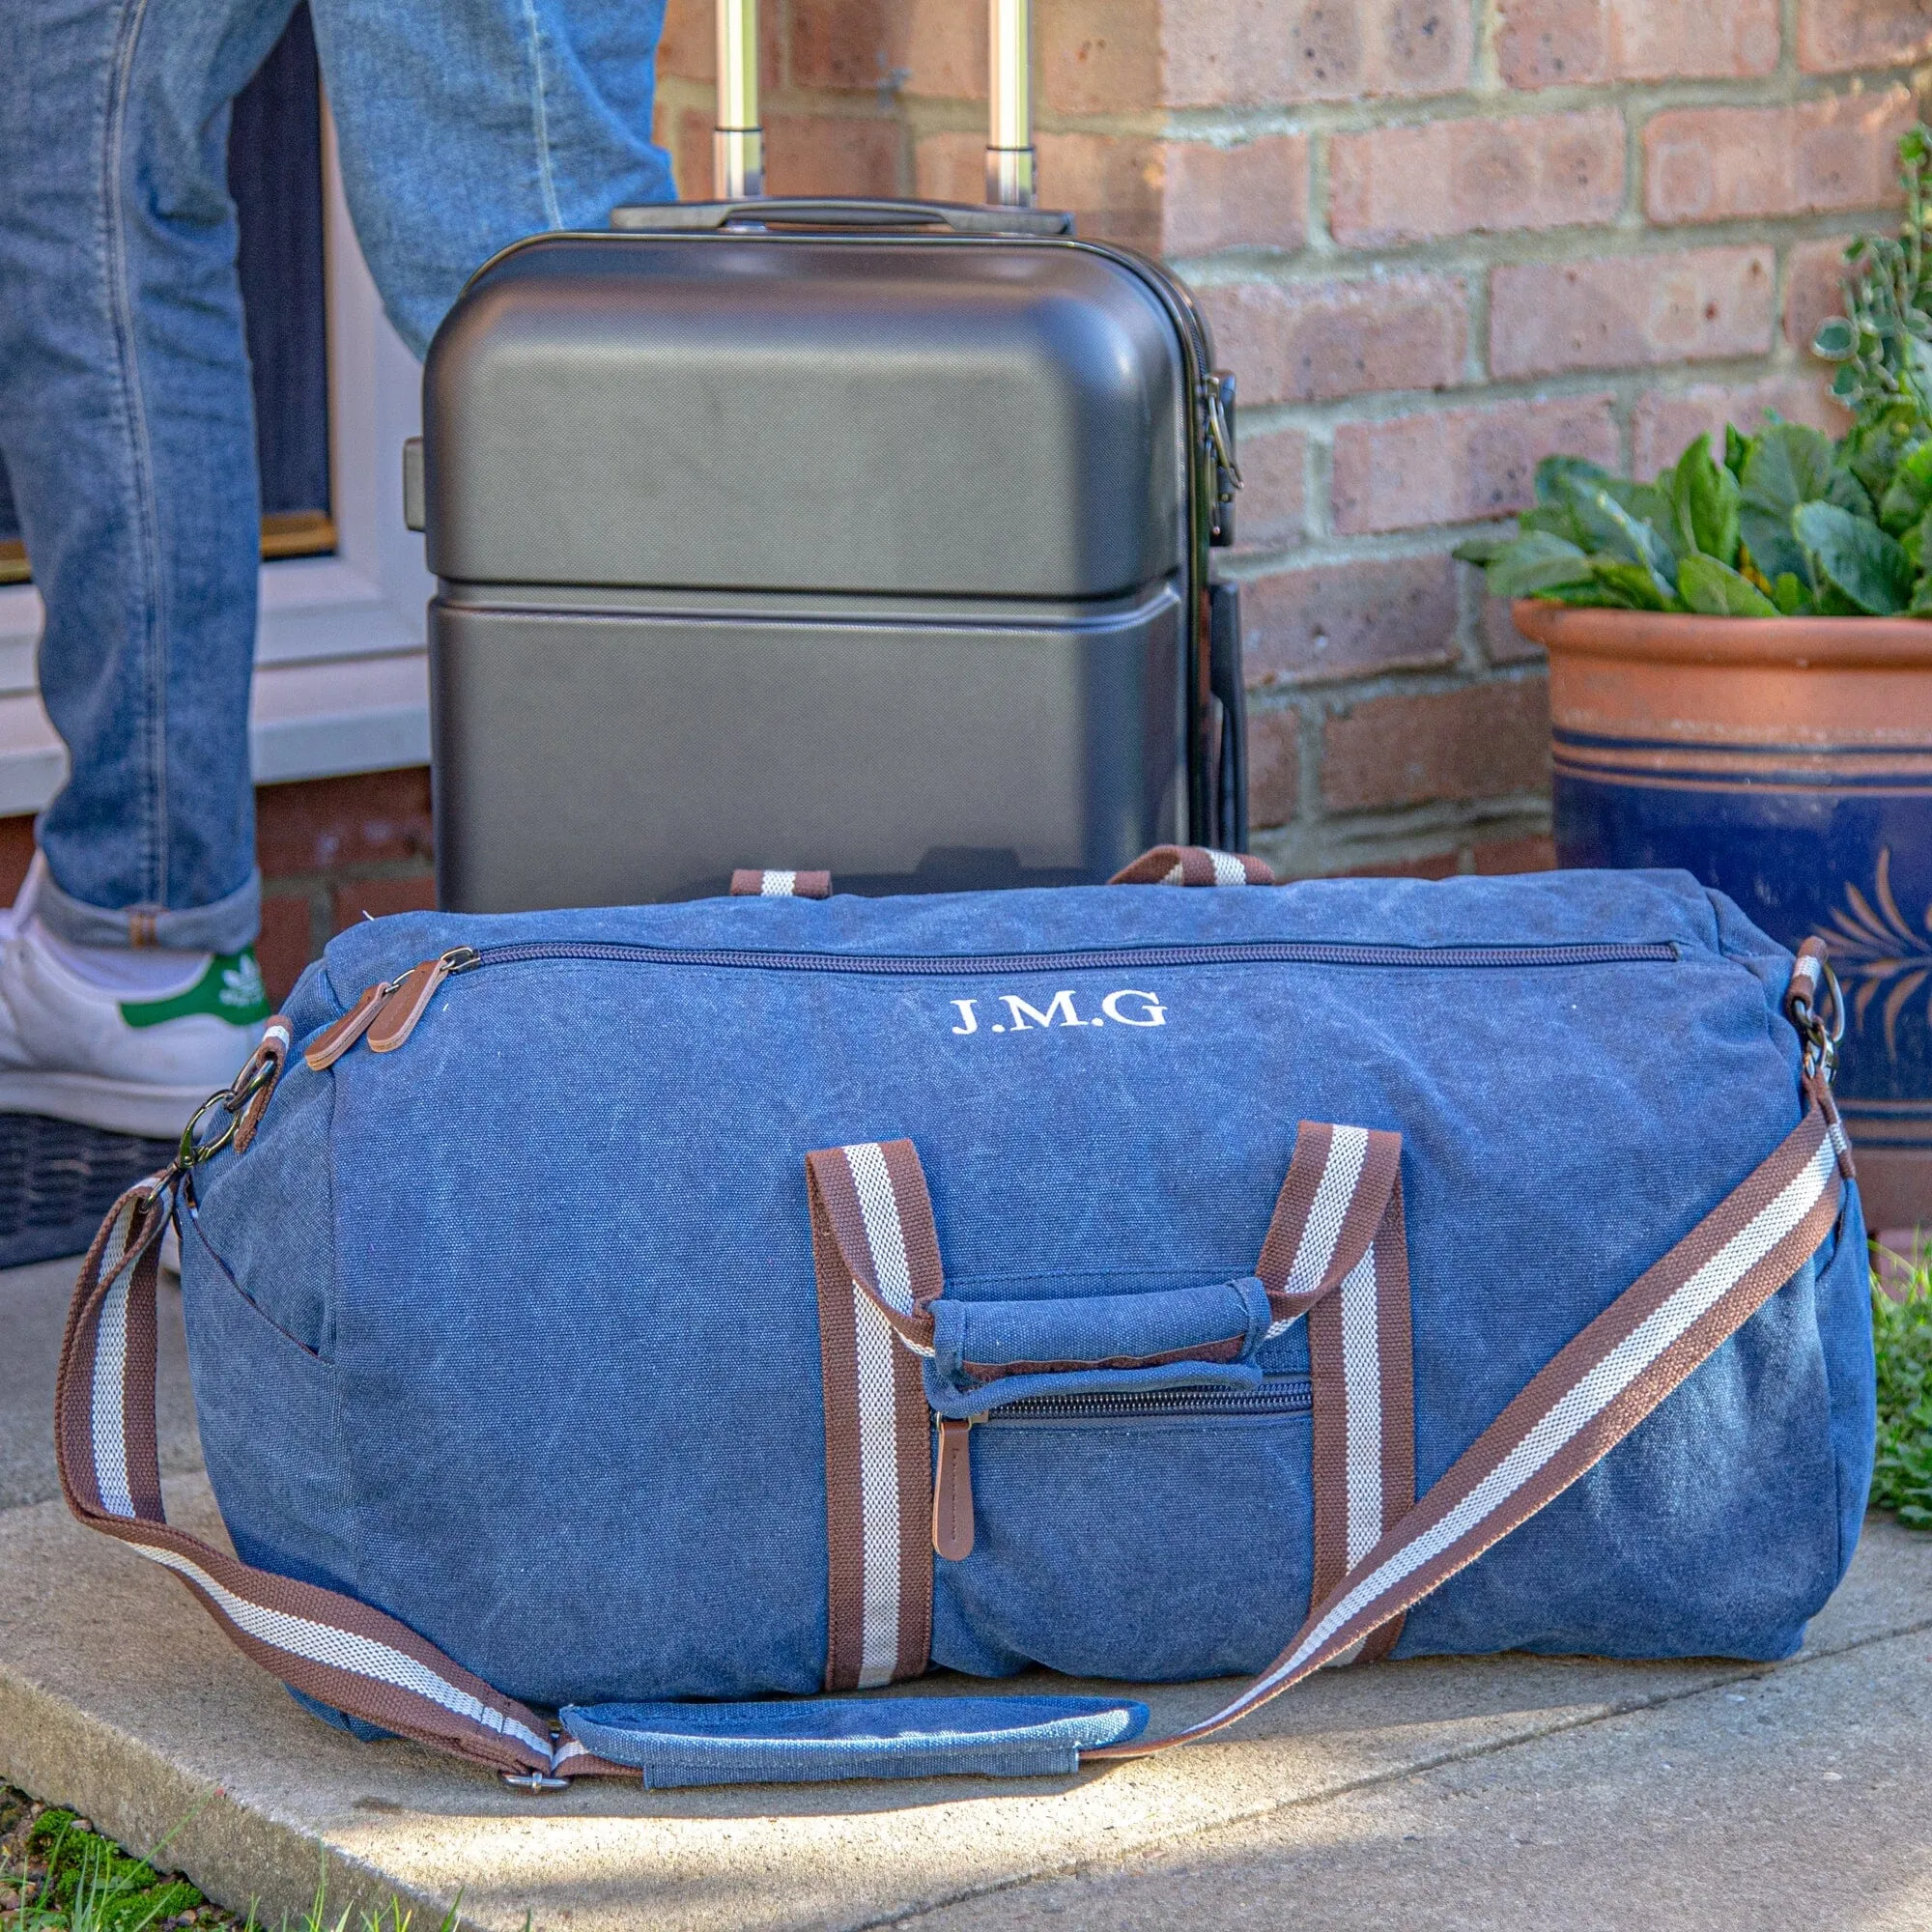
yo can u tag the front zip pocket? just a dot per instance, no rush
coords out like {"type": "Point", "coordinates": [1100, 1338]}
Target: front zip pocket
{"type": "Point", "coordinates": [396, 1008]}
{"type": "Point", "coordinates": [952, 1527]}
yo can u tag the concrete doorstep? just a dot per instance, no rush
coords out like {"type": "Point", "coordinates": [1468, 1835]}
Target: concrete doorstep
{"type": "Point", "coordinates": [1508, 1791]}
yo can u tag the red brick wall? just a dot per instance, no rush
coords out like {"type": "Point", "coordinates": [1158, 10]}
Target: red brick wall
{"type": "Point", "coordinates": [332, 849]}
{"type": "Point", "coordinates": [329, 850]}
{"type": "Point", "coordinates": [1437, 238]}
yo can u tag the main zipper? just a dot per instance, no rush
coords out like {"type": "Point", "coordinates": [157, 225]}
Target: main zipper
{"type": "Point", "coordinates": [388, 1011]}
{"type": "Point", "coordinates": [953, 965]}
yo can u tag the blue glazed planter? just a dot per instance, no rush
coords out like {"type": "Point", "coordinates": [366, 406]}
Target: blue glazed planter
{"type": "Point", "coordinates": [1787, 761]}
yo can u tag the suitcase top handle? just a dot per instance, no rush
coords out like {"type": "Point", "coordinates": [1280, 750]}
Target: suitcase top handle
{"type": "Point", "coordinates": [838, 211]}
{"type": "Point", "coordinates": [738, 139]}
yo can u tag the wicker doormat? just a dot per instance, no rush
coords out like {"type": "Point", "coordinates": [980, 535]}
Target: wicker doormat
{"type": "Point", "coordinates": [57, 1180]}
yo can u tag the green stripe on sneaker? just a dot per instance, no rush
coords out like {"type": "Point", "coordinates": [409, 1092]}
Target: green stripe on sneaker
{"type": "Point", "coordinates": [231, 989]}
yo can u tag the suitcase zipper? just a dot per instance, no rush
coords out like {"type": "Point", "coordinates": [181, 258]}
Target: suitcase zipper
{"type": "Point", "coordinates": [952, 1527]}
{"type": "Point", "coordinates": [387, 1015]}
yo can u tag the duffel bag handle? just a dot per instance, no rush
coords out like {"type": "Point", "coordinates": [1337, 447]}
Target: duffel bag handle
{"type": "Point", "coordinates": [1334, 1252]}
{"type": "Point", "coordinates": [988, 1353]}
{"type": "Point", "coordinates": [1194, 866]}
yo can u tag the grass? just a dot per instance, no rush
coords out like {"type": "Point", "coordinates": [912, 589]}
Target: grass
{"type": "Point", "coordinates": [1902, 1335]}
{"type": "Point", "coordinates": [58, 1874]}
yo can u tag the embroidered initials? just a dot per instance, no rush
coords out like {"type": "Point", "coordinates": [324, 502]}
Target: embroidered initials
{"type": "Point", "coordinates": [1023, 1017]}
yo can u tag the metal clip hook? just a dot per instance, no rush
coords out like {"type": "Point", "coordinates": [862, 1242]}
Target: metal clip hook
{"type": "Point", "coordinates": [232, 1100]}
{"type": "Point", "coordinates": [1821, 1034]}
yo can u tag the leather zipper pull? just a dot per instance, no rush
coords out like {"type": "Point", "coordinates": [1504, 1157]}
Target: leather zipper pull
{"type": "Point", "coordinates": [335, 1039]}
{"type": "Point", "coordinates": [952, 1489]}
{"type": "Point", "coordinates": [412, 993]}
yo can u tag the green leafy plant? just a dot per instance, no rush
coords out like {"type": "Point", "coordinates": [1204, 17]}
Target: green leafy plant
{"type": "Point", "coordinates": [1780, 526]}
{"type": "Point", "coordinates": [1785, 524]}
{"type": "Point", "coordinates": [1902, 1339]}
{"type": "Point", "coordinates": [1883, 342]}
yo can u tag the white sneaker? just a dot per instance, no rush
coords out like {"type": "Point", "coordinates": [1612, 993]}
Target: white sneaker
{"type": "Point", "coordinates": [133, 1041]}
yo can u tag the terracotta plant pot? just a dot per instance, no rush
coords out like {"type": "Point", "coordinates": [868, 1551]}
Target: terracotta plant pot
{"type": "Point", "coordinates": [1787, 761]}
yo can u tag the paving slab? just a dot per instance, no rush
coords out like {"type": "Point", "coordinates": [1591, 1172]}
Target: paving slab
{"type": "Point", "coordinates": [118, 1695]}
{"type": "Point", "coordinates": [1793, 1799]}
{"type": "Point", "coordinates": [32, 1312]}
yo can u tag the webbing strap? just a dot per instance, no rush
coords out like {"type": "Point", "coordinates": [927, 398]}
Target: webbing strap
{"type": "Point", "coordinates": [1571, 1415]}
{"type": "Point", "coordinates": [877, 1262]}
{"type": "Point", "coordinates": [748, 882]}
{"type": "Point", "coordinates": [1337, 1252]}
{"type": "Point", "coordinates": [330, 1647]}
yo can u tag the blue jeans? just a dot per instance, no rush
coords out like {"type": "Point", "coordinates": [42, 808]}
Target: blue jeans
{"type": "Point", "coordinates": [126, 413]}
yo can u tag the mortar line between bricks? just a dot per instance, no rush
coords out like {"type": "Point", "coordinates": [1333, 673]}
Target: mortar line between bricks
{"type": "Point", "coordinates": [1117, 1855]}
{"type": "Point", "coordinates": [1344, 840]}
{"type": "Point", "coordinates": [1651, 379]}
{"type": "Point", "coordinates": [1383, 405]}
{"type": "Point", "coordinates": [1486, 80]}
{"type": "Point", "coordinates": [1426, 828]}
{"type": "Point", "coordinates": [1318, 849]}
{"type": "Point", "coordinates": [1232, 124]}
{"type": "Point", "coordinates": [1477, 248]}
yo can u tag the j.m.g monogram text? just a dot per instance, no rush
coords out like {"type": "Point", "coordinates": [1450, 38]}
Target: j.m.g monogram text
{"type": "Point", "coordinates": [1126, 1007]}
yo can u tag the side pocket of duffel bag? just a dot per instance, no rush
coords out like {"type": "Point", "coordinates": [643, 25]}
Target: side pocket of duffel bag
{"type": "Point", "coordinates": [258, 1293]}
{"type": "Point", "coordinates": [266, 1215]}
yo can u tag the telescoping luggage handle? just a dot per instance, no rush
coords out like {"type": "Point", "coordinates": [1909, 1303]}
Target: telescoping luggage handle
{"type": "Point", "coordinates": [353, 1659]}
{"type": "Point", "coordinates": [738, 138]}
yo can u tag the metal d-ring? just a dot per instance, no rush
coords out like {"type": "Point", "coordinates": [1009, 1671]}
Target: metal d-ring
{"type": "Point", "coordinates": [1830, 978]}
{"type": "Point", "coordinates": [192, 1151]}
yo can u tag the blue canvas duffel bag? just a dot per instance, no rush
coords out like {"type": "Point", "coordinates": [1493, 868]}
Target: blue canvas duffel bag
{"type": "Point", "coordinates": [609, 1328]}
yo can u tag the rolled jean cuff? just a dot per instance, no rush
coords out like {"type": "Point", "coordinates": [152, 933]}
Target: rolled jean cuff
{"type": "Point", "coordinates": [228, 926]}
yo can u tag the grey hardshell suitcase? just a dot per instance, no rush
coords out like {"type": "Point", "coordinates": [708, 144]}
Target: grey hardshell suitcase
{"type": "Point", "coordinates": [863, 535]}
